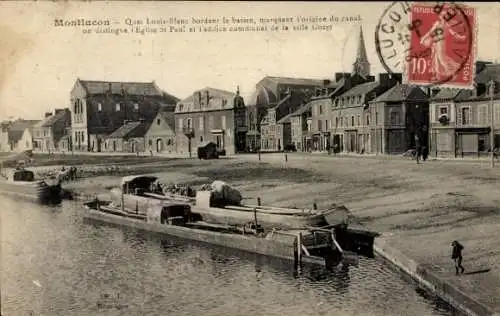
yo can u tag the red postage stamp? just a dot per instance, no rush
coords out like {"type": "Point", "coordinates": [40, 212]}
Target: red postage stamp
{"type": "Point", "coordinates": [442, 45]}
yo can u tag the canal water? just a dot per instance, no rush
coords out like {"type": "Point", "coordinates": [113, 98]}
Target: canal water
{"type": "Point", "coordinates": [55, 263]}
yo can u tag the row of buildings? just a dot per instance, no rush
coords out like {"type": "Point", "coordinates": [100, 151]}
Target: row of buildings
{"type": "Point", "coordinates": [351, 112]}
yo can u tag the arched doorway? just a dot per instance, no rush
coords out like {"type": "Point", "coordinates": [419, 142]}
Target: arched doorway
{"type": "Point", "coordinates": [159, 146]}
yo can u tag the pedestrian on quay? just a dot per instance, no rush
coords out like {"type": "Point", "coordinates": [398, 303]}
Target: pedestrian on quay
{"type": "Point", "coordinates": [456, 255]}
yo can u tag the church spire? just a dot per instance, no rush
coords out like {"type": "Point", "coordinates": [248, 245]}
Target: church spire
{"type": "Point", "coordinates": [361, 65]}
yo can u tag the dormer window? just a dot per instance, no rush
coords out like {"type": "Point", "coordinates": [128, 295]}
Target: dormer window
{"type": "Point", "coordinates": [136, 107]}
{"type": "Point", "coordinates": [118, 107]}
{"type": "Point", "coordinates": [158, 122]}
{"type": "Point", "coordinates": [99, 107]}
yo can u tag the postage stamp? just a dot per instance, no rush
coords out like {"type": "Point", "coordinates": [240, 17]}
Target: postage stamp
{"type": "Point", "coordinates": [430, 43]}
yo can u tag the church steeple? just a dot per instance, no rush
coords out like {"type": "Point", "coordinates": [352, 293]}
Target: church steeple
{"type": "Point", "coordinates": [361, 65]}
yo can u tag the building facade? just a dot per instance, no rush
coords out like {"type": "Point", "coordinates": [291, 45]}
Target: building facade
{"type": "Point", "coordinates": [18, 135]}
{"type": "Point", "coordinates": [160, 138]}
{"type": "Point", "coordinates": [128, 138]}
{"type": "Point", "coordinates": [48, 133]}
{"type": "Point", "coordinates": [211, 115]}
{"type": "Point", "coordinates": [354, 120]}
{"type": "Point", "coordinates": [99, 107]}
{"type": "Point", "coordinates": [460, 120]}
{"type": "Point", "coordinates": [285, 96]}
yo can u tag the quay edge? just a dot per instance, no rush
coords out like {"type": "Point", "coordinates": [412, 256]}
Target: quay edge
{"type": "Point", "coordinates": [429, 280]}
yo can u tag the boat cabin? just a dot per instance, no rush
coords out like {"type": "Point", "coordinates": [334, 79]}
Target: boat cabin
{"type": "Point", "coordinates": [138, 185]}
{"type": "Point", "coordinates": [21, 175]}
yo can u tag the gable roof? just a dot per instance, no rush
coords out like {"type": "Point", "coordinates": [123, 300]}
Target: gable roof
{"type": "Point", "coordinates": [53, 119]}
{"type": "Point", "coordinates": [294, 81]}
{"type": "Point", "coordinates": [169, 118]}
{"type": "Point", "coordinates": [361, 89]}
{"type": "Point", "coordinates": [489, 72]}
{"type": "Point", "coordinates": [131, 88]}
{"type": "Point", "coordinates": [306, 107]}
{"type": "Point", "coordinates": [131, 130]}
{"type": "Point", "coordinates": [213, 93]}
{"type": "Point", "coordinates": [401, 92]}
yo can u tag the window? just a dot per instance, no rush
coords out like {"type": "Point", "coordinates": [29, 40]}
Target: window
{"type": "Point", "coordinates": [201, 123]}
{"type": "Point", "coordinates": [224, 102]}
{"type": "Point", "coordinates": [465, 116]}
{"type": "Point", "coordinates": [210, 122]}
{"type": "Point", "coordinates": [136, 107]}
{"type": "Point", "coordinates": [158, 122]}
{"type": "Point", "coordinates": [327, 127]}
{"type": "Point", "coordinates": [359, 120]}
{"type": "Point", "coordinates": [359, 99]}
{"type": "Point", "coordinates": [223, 122]}
{"type": "Point", "coordinates": [99, 107]}
{"type": "Point", "coordinates": [497, 113]}
{"type": "Point", "coordinates": [336, 122]}
{"type": "Point", "coordinates": [368, 119]}
{"type": "Point", "coordinates": [394, 117]}
{"type": "Point", "coordinates": [376, 118]}
{"type": "Point", "coordinates": [319, 126]}
{"type": "Point", "coordinates": [341, 121]}
{"type": "Point", "coordinates": [117, 107]}
{"type": "Point", "coordinates": [443, 110]}
{"type": "Point", "coordinates": [320, 109]}
{"type": "Point", "coordinates": [181, 121]}
{"type": "Point", "coordinates": [201, 138]}
{"type": "Point", "coordinates": [352, 120]}
{"type": "Point", "coordinates": [482, 115]}
{"type": "Point", "coordinates": [336, 102]}
{"type": "Point", "coordinates": [189, 123]}
{"type": "Point", "coordinates": [150, 142]}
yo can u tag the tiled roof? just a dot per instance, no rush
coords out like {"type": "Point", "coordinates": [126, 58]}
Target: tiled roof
{"type": "Point", "coordinates": [131, 88]}
{"type": "Point", "coordinates": [130, 130]}
{"type": "Point", "coordinates": [361, 89]}
{"type": "Point", "coordinates": [51, 120]}
{"type": "Point", "coordinates": [446, 94]}
{"type": "Point", "coordinates": [401, 92]}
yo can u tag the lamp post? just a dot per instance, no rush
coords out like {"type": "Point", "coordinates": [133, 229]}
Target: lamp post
{"type": "Point", "coordinates": [492, 129]}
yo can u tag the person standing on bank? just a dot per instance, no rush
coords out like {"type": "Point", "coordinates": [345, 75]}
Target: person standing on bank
{"type": "Point", "coordinates": [456, 255]}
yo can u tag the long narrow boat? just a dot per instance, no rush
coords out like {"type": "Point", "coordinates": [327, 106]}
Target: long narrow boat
{"type": "Point", "coordinates": [21, 183]}
{"type": "Point", "coordinates": [135, 193]}
{"type": "Point", "coordinates": [313, 245]}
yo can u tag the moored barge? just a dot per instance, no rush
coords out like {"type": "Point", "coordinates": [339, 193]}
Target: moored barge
{"type": "Point", "coordinates": [21, 183]}
{"type": "Point", "coordinates": [135, 193]}
{"type": "Point", "coordinates": [311, 245]}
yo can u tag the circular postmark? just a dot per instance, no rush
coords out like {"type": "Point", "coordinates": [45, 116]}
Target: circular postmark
{"type": "Point", "coordinates": [430, 43]}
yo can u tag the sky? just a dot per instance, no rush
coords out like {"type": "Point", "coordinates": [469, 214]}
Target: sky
{"type": "Point", "coordinates": [40, 62]}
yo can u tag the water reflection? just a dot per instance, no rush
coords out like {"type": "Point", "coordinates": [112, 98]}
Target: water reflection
{"type": "Point", "coordinates": [86, 268]}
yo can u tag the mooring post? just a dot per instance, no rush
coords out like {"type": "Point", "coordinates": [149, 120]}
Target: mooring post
{"type": "Point", "coordinates": [255, 217]}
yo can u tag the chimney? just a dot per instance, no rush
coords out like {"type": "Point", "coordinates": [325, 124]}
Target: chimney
{"type": "Point", "coordinates": [47, 114]}
{"type": "Point", "coordinates": [207, 97]}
